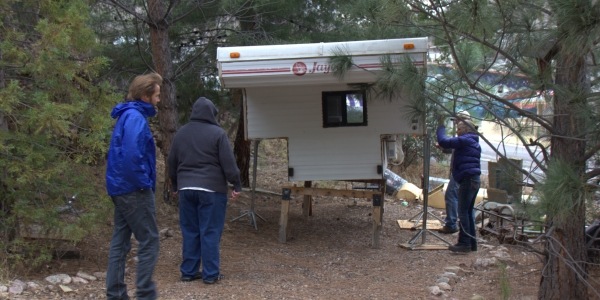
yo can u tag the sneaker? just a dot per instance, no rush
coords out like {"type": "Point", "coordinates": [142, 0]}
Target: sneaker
{"type": "Point", "coordinates": [215, 280]}
{"type": "Point", "coordinates": [447, 230]}
{"type": "Point", "coordinates": [459, 248]}
{"type": "Point", "coordinates": [192, 278]}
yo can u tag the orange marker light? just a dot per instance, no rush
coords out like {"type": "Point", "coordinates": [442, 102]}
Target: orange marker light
{"type": "Point", "coordinates": [409, 46]}
{"type": "Point", "coordinates": [237, 54]}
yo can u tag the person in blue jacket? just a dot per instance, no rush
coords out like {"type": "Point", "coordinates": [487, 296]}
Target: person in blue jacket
{"type": "Point", "coordinates": [451, 195]}
{"type": "Point", "coordinates": [466, 171]}
{"type": "Point", "coordinates": [201, 163]}
{"type": "Point", "coordinates": [130, 182]}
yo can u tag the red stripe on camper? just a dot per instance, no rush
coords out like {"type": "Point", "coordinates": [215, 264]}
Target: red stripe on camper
{"type": "Point", "coordinates": [256, 71]}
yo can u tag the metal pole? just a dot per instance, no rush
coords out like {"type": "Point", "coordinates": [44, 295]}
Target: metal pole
{"type": "Point", "coordinates": [251, 212]}
{"type": "Point", "coordinates": [426, 162]}
{"type": "Point", "coordinates": [254, 167]}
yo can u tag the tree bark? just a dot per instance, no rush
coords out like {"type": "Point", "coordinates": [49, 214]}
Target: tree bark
{"type": "Point", "coordinates": [565, 268]}
{"type": "Point", "coordinates": [241, 147]}
{"type": "Point", "coordinates": [163, 64]}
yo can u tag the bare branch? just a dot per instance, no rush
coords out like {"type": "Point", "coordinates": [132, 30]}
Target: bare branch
{"type": "Point", "coordinates": [590, 153]}
{"type": "Point", "coordinates": [137, 43]}
{"type": "Point", "coordinates": [538, 144]}
{"type": "Point", "coordinates": [591, 174]}
{"type": "Point", "coordinates": [183, 67]}
{"type": "Point", "coordinates": [183, 16]}
{"type": "Point", "coordinates": [468, 35]}
{"type": "Point", "coordinates": [128, 10]}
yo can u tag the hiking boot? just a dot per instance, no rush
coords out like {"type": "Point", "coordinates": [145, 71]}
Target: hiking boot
{"type": "Point", "coordinates": [192, 278]}
{"type": "Point", "coordinates": [215, 280]}
{"type": "Point", "coordinates": [459, 248]}
{"type": "Point", "coordinates": [447, 230]}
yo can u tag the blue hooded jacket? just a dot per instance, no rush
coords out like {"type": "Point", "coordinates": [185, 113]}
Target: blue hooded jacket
{"type": "Point", "coordinates": [467, 153]}
{"type": "Point", "coordinates": [131, 163]}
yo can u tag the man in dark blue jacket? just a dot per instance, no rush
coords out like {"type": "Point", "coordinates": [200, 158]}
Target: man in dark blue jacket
{"type": "Point", "coordinates": [130, 181]}
{"type": "Point", "coordinates": [201, 163]}
{"type": "Point", "coordinates": [466, 171]}
{"type": "Point", "coordinates": [451, 194]}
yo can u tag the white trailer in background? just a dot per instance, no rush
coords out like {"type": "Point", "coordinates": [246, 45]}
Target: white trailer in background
{"type": "Point", "coordinates": [334, 131]}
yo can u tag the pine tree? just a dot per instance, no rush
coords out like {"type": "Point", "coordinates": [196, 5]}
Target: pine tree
{"type": "Point", "coordinates": [55, 124]}
{"type": "Point", "coordinates": [552, 43]}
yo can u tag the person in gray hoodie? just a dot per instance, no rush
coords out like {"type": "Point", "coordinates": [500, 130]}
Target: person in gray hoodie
{"type": "Point", "coordinates": [201, 163]}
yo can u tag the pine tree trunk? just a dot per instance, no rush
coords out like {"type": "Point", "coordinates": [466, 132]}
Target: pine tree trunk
{"type": "Point", "coordinates": [241, 147]}
{"type": "Point", "coordinates": [163, 64]}
{"type": "Point", "coordinates": [565, 270]}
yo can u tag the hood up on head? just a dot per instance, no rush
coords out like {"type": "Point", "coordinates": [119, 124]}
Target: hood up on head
{"type": "Point", "coordinates": [205, 111]}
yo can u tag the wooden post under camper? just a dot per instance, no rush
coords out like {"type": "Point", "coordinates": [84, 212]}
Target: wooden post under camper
{"type": "Point", "coordinates": [283, 220]}
{"type": "Point", "coordinates": [307, 204]}
{"type": "Point", "coordinates": [377, 196]}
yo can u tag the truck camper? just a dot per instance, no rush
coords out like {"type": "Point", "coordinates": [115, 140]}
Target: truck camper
{"type": "Point", "coordinates": [334, 130]}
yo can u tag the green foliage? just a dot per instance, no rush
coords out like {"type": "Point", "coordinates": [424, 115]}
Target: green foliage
{"type": "Point", "coordinates": [126, 40]}
{"type": "Point", "coordinates": [413, 151]}
{"type": "Point", "coordinates": [371, 19]}
{"type": "Point", "coordinates": [478, 17]}
{"type": "Point", "coordinates": [355, 115]}
{"type": "Point", "coordinates": [57, 125]}
{"type": "Point", "coordinates": [559, 193]}
{"type": "Point", "coordinates": [341, 62]}
{"type": "Point", "coordinates": [504, 281]}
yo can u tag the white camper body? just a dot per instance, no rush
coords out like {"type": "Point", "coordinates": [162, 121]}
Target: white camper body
{"type": "Point", "coordinates": [285, 96]}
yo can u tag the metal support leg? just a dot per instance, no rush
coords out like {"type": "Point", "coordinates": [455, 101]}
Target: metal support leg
{"type": "Point", "coordinates": [423, 232]}
{"type": "Point", "coordinates": [251, 213]}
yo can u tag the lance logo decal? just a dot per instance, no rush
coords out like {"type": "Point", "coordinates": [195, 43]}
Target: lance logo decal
{"type": "Point", "coordinates": [299, 68]}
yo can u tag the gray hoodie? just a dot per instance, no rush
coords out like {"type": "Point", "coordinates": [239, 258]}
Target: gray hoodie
{"type": "Point", "coordinates": [200, 155]}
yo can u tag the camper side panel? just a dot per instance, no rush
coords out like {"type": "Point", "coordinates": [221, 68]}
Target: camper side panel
{"type": "Point", "coordinates": [315, 152]}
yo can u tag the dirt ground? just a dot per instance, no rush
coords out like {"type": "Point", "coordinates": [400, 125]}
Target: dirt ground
{"type": "Point", "coordinates": [328, 256]}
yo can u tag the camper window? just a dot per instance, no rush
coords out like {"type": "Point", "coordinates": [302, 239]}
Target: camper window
{"type": "Point", "coordinates": [347, 108]}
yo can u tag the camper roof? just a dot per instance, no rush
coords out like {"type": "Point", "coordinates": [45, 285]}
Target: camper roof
{"type": "Point", "coordinates": [371, 47]}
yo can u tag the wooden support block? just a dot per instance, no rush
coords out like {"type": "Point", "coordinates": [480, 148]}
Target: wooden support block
{"type": "Point", "coordinates": [431, 224]}
{"type": "Point", "coordinates": [307, 204]}
{"type": "Point", "coordinates": [331, 192]}
{"type": "Point", "coordinates": [424, 246]}
{"type": "Point", "coordinates": [67, 253]}
{"type": "Point", "coordinates": [283, 220]}
{"type": "Point", "coordinates": [35, 231]}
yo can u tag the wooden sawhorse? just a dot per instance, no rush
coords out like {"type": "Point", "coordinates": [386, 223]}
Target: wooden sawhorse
{"type": "Point", "coordinates": [288, 191]}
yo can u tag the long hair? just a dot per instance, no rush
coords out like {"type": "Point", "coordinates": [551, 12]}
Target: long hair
{"type": "Point", "coordinates": [468, 126]}
{"type": "Point", "coordinates": [143, 85]}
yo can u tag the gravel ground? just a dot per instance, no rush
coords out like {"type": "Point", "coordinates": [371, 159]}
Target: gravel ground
{"type": "Point", "coordinates": [328, 256]}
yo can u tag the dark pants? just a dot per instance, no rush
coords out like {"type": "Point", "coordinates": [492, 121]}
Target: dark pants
{"type": "Point", "coordinates": [467, 194]}
{"type": "Point", "coordinates": [134, 213]}
{"type": "Point", "coordinates": [451, 200]}
{"type": "Point", "coordinates": [201, 218]}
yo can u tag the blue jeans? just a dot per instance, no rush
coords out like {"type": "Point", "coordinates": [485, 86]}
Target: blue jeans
{"type": "Point", "coordinates": [467, 193]}
{"type": "Point", "coordinates": [201, 218]}
{"type": "Point", "coordinates": [134, 213]}
{"type": "Point", "coordinates": [451, 199]}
